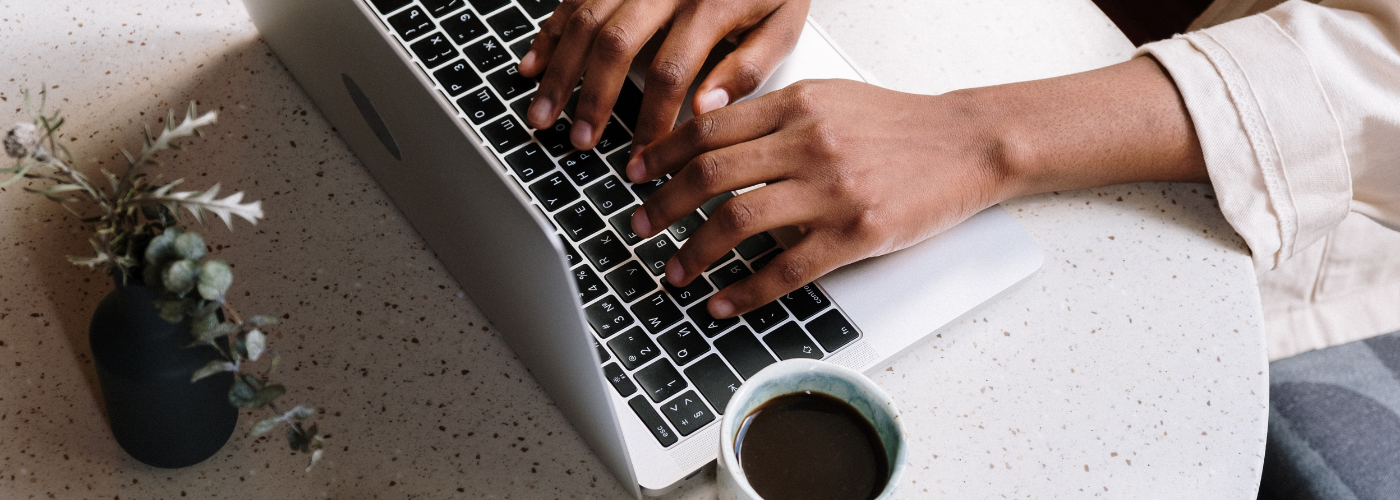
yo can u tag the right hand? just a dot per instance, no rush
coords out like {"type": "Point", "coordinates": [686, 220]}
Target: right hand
{"type": "Point", "coordinates": [603, 36]}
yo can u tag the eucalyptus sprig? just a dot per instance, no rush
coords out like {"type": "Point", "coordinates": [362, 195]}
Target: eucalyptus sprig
{"type": "Point", "coordinates": [137, 227]}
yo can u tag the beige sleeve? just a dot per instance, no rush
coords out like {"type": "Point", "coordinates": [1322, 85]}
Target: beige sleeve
{"type": "Point", "coordinates": [1298, 113]}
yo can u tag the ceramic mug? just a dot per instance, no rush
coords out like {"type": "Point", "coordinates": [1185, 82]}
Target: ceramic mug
{"type": "Point", "coordinates": [798, 375]}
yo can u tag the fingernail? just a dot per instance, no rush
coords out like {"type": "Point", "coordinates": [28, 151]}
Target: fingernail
{"type": "Point", "coordinates": [674, 272]}
{"type": "Point", "coordinates": [636, 170]}
{"type": "Point", "coordinates": [641, 223]}
{"type": "Point", "coordinates": [582, 134]}
{"type": "Point", "coordinates": [713, 100]}
{"type": "Point", "coordinates": [528, 60]}
{"type": "Point", "coordinates": [720, 308]}
{"type": "Point", "coordinates": [539, 110]}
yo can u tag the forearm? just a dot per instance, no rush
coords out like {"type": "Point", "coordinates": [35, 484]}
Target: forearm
{"type": "Point", "coordinates": [1118, 124]}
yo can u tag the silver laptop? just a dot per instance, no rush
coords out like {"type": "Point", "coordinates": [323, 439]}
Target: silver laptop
{"type": "Point", "coordinates": [426, 93]}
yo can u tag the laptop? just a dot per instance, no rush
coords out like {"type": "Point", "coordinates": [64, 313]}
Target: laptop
{"type": "Point", "coordinates": [426, 94]}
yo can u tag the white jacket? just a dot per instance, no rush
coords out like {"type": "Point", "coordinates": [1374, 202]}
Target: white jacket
{"type": "Point", "coordinates": [1298, 111]}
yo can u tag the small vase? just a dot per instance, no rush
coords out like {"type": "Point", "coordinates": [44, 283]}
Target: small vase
{"type": "Point", "coordinates": [157, 415]}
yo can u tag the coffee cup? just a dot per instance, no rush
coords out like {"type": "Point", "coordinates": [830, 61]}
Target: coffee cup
{"type": "Point", "coordinates": [806, 410]}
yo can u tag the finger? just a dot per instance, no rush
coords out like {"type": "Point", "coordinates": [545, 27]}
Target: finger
{"type": "Point", "coordinates": [747, 67]}
{"type": "Point", "coordinates": [566, 65]}
{"type": "Point", "coordinates": [537, 59]}
{"type": "Point", "coordinates": [676, 64]}
{"type": "Point", "coordinates": [776, 205]}
{"type": "Point", "coordinates": [706, 176]}
{"type": "Point", "coordinates": [614, 48]}
{"type": "Point", "coordinates": [723, 128]}
{"type": "Point", "coordinates": [817, 254]}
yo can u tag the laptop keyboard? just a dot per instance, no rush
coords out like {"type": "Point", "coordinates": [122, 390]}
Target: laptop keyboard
{"type": "Point", "coordinates": [662, 352]}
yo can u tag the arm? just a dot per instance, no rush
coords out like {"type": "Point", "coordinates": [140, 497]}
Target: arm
{"type": "Point", "coordinates": [865, 171]}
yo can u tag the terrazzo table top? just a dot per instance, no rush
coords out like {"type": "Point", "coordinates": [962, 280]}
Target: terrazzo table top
{"type": "Point", "coordinates": [1131, 366]}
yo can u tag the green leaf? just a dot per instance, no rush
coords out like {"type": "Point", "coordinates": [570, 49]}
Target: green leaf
{"type": "Point", "coordinates": [241, 394]}
{"type": "Point", "coordinates": [174, 310]}
{"type": "Point", "coordinates": [180, 276]}
{"type": "Point", "coordinates": [255, 343]}
{"type": "Point", "coordinates": [213, 334]}
{"type": "Point", "coordinates": [160, 251]}
{"type": "Point", "coordinates": [214, 279]}
{"type": "Point", "coordinates": [301, 412]}
{"type": "Point", "coordinates": [190, 246]}
{"type": "Point", "coordinates": [214, 367]}
{"type": "Point", "coordinates": [294, 438]}
{"type": "Point", "coordinates": [263, 426]}
{"type": "Point", "coordinates": [267, 395]}
{"type": "Point", "coordinates": [262, 320]}
{"type": "Point", "coordinates": [201, 324]}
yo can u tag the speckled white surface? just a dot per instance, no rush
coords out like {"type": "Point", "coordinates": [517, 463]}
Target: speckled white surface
{"type": "Point", "coordinates": [1131, 366]}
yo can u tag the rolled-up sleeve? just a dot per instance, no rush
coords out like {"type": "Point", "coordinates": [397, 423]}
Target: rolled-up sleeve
{"type": "Point", "coordinates": [1298, 114]}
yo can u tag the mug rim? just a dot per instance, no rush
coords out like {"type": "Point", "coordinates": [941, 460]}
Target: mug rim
{"type": "Point", "coordinates": [731, 418]}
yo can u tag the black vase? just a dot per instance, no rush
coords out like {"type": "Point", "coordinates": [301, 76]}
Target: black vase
{"type": "Point", "coordinates": [156, 414]}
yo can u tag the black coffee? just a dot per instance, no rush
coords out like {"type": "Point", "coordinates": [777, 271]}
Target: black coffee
{"type": "Point", "coordinates": [811, 446]}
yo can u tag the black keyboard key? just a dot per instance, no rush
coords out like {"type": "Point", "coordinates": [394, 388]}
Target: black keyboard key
{"type": "Point", "coordinates": [464, 27]}
{"type": "Point", "coordinates": [481, 105]}
{"type": "Point", "coordinates": [805, 302]}
{"type": "Point", "coordinates": [387, 6]}
{"type": "Point", "coordinates": [755, 245]}
{"type": "Point", "coordinates": [766, 317]}
{"type": "Point", "coordinates": [634, 348]}
{"type": "Point", "coordinates": [488, 6]}
{"type": "Point", "coordinates": [686, 226]}
{"type": "Point", "coordinates": [619, 379]}
{"type": "Point", "coordinates": [631, 282]}
{"type": "Point", "coordinates": [579, 221]}
{"type": "Point", "coordinates": [603, 355]}
{"type": "Point", "coordinates": [590, 286]}
{"type": "Point", "coordinates": [655, 252]}
{"type": "Point", "coordinates": [510, 24]}
{"type": "Point", "coordinates": [529, 163]}
{"type": "Point", "coordinates": [683, 343]}
{"type": "Point", "coordinates": [605, 251]}
{"type": "Point", "coordinates": [763, 261]}
{"type": "Point", "coordinates": [509, 83]}
{"type": "Point", "coordinates": [613, 136]}
{"type": "Point", "coordinates": [434, 50]}
{"type": "Point", "coordinates": [505, 133]}
{"type": "Point", "coordinates": [629, 104]}
{"type": "Point", "coordinates": [539, 8]}
{"type": "Point", "coordinates": [554, 191]}
{"type": "Point", "coordinates": [439, 8]}
{"type": "Point", "coordinates": [722, 260]}
{"type": "Point", "coordinates": [711, 206]}
{"type": "Point", "coordinates": [622, 222]}
{"type": "Point", "coordinates": [522, 47]}
{"type": "Point", "coordinates": [656, 312]}
{"type": "Point", "coordinates": [609, 196]}
{"type": "Point", "coordinates": [715, 381]}
{"type": "Point", "coordinates": [571, 256]}
{"type": "Point", "coordinates": [618, 160]}
{"type": "Point", "coordinates": [487, 54]}
{"type": "Point", "coordinates": [653, 421]}
{"type": "Point", "coordinates": [411, 24]}
{"type": "Point", "coordinates": [788, 342]}
{"type": "Point", "coordinates": [832, 330]}
{"type": "Point", "coordinates": [687, 413]}
{"type": "Point", "coordinates": [660, 380]}
{"type": "Point", "coordinates": [555, 139]}
{"type": "Point", "coordinates": [708, 324]}
{"type": "Point", "coordinates": [584, 167]}
{"type": "Point", "coordinates": [687, 295]}
{"type": "Point", "coordinates": [456, 78]}
{"type": "Point", "coordinates": [646, 189]}
{"type": "Point", "coordinates": [730, 274]}
{"type": "Point", "coordinates": [744, 352]}
{"type": "Point", "coordinates": [608, 317]}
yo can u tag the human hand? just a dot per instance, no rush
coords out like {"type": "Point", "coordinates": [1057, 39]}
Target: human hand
{"type": "Point", "coordinates": [603, 36]}
{"type": "Point", "coordinates": [860, 170]}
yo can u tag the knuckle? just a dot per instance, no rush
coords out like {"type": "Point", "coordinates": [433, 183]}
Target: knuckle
{"type": "Point", "coordinates": [748, 76]}
{"type": "Point", "coordinates": [802, 98]}
{"type": "Point", "coordinates": [584, 20]}
{"type": "Point", "coordinates": [667, 76]}
{"type": "Point", "coordinates": [736, 216]}
{"type": "Point", "coordinates": [867, 224]}
{"type": "Point", "coordinates": [703, 130]}
{"type": "Point", "coordinates": [614, 42]}
{"type": "Point", "coordinates": [708, 172]}
{"type": "Point", "coordinates": [792, 272]}
{"type": "Point", "coordinates": [826, 139]}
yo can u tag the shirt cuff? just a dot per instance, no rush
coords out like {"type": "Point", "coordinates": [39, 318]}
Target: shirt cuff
{"type": "Point", "coordinates": [1273, 146]}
